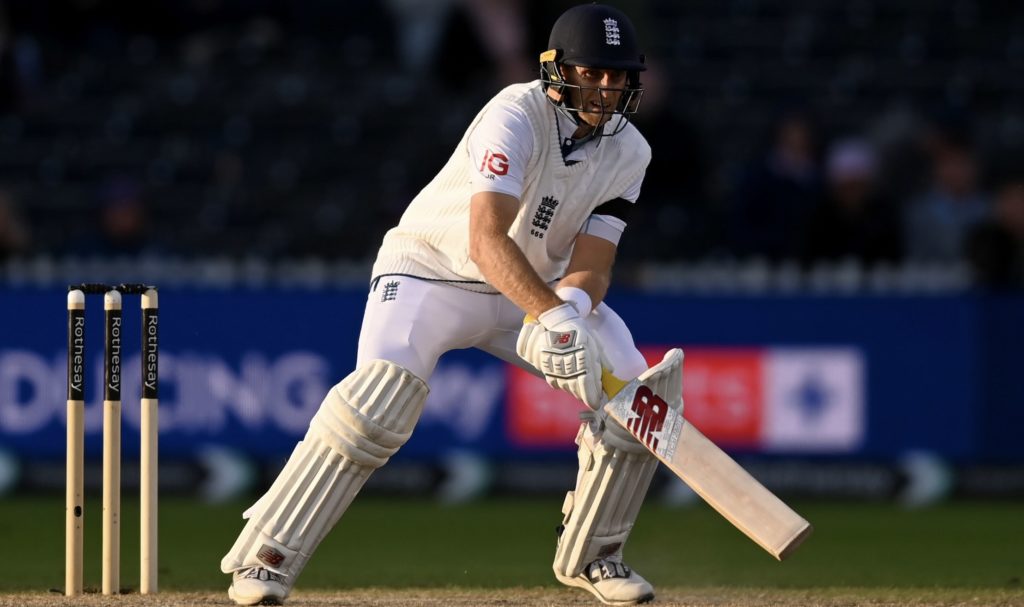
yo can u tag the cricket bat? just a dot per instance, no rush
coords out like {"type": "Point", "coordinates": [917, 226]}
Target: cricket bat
{"type": "Point", "coordinates": [642, 407]}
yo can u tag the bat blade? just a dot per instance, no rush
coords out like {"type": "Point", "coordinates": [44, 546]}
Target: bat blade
{"type": "Point", "coordinates": [642, 407]}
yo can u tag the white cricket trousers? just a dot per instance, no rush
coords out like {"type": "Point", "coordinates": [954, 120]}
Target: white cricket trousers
{"type": "Point", "coordinates": [412, 322]}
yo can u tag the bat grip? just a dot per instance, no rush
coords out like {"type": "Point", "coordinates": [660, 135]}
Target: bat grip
{"type": "Point", "coordinates": [612, 385]}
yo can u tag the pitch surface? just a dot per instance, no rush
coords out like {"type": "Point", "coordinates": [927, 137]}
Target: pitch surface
{"type": "Point", "coordinates": [398, 552]}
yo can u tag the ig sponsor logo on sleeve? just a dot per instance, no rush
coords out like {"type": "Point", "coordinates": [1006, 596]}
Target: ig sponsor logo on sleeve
{"type": "Point", "coordinates": [494, 163]}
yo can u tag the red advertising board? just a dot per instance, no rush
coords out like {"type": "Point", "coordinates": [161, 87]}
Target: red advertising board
{"type": "Point", "coordinates": [722, 392]}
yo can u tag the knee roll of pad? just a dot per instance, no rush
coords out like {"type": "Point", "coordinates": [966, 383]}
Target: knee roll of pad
{"type": "Point", "coordinates": [361, 423]}
{"type": "Point", "coordinates": [371, 413]}
{"type": "Point", "coordinates": [616, 437]}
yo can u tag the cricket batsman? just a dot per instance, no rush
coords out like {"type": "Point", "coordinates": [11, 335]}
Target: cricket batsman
{"type": "Point", "coordinates": [522, 222]}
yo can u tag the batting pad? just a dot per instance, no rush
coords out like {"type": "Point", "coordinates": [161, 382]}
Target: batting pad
{"type": "Point", "coordinates": [615, 472]}
{"type": "Point", "coordinates": [360, 424]}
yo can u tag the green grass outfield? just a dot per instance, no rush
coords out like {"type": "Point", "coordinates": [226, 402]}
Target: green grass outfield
{"type": "Point", "coordinates": [968, 551]}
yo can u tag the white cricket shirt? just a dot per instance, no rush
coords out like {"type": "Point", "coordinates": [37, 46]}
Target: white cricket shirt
{"type": "Point", "coordinates": [513, 146]}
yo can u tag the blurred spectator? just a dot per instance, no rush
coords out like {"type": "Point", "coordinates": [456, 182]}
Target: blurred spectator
{"type": "Point", "coordinates": [420, 26]}
{"type": "Point", "coordinates": [21, 70]}
{"type": "Point", "coordinates": [124, 219]}
{"type": "Point", "coordinates": [15, 236]}
{"type": "Point", "coordinates": [501, 25]}
{"type": "Point", "coordinates": [122, 222]}
{"type": "Point", "coordinates": [995, 248]}
{"type": "Point", "coordinates": [498, 27]}
{"type": "Point", "coordinates": [777, 193]}
{"type": "Point", "coordinates": [853, 221]}
{"type": "Point", "coordinates": [674, 211]}
{"type": "Point", "coordinates": [898, 137]}
{"type": "Point", "coordinates": [938, 221]}
{"type": "Point", "coordinates": [8, 71]}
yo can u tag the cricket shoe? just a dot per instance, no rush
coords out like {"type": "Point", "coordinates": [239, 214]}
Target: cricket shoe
{"type": "Point", "coordinates": [611, 581]}
{"type": "Point", "coordinates": [257, 586]}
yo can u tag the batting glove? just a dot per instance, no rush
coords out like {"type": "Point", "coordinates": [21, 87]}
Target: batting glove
{"type": "Point", "coordinates": [560, 346]}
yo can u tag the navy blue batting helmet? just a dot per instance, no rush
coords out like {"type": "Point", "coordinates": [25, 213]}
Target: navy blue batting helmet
{"type": "Point", "coordinates": [596, 36]}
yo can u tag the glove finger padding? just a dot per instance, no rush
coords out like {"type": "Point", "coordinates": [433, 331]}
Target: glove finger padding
{"type": "Point", "coordinates": [525, 342]}
{"type": "Point", "coordinates": [561, 347]}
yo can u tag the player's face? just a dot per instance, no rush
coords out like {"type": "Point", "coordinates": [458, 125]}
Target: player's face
{"type": "Point", "coordinates": [599, 94]}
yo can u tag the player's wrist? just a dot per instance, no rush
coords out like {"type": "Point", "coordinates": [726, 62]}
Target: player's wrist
{"type": "Point", "coordinates": [576, 297]}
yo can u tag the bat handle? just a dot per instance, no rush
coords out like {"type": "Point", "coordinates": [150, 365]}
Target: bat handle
{"type": "Point", "coordinates": [612, 385]}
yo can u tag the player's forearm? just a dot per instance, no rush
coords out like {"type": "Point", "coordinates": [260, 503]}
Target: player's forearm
{"type": "Point", "coordinates": [593, 282]}
{"type": "Point", "coordinates": [505, 267]}
{"type": "Point", "coordinates": [586, 280]}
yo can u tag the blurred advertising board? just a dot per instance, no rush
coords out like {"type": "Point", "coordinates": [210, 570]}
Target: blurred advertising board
{"type": "Point", "coordinates": [859, 377]}
{"type": "Point", "coordinates": [752, 399]}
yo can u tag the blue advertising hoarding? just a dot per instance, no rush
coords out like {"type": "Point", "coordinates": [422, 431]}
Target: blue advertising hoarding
{"type": "Point", "coordinates": [246, 369]}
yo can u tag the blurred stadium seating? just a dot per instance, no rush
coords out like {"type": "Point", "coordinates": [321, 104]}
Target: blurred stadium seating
{"type": "Point", "coordinates": [269, 130]}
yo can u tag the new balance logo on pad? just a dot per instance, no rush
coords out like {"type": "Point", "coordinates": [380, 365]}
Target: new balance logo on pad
{"type": "Point", "coordinates": [270, 556]}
